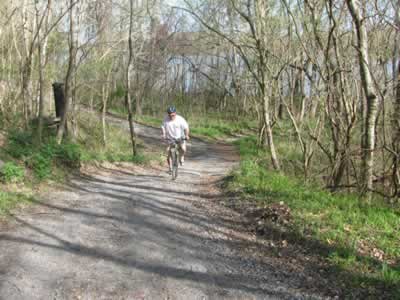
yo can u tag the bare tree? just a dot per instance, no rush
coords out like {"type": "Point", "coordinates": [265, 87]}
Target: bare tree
{"type": "Point", "coordinates": [395, 117]}
{"type": "Point", "coordinates": [128, 97]}
{"type": "Point", "coordinates": [371, 109]}
{"type": "Point", "coordinates": [105, 93]}
{"type": "Point", "coordinates": [70, 71]}
{"type": "Point", "coordinates": [42, 44]}
{"type": "Point", "coordinates": [279, 63]}
{"type": "Point", "coordinates": [261, 71]}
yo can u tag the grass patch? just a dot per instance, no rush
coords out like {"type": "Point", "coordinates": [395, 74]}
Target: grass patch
{"type": "Point", "coordinates": [41, 159]}
{"type": "Point", "coordinates": [11, 172]}
{"type": "Point", "coordinates": [214, 126]}
{"type": "Point", "coordinates": [144, 119]}
{"type": "Point", "coordinates": [117, 148]}
{"type": "Point", "coordinates": [9, 200]}
{"type": "Point", "coordinates": [151, 121]}
{"type": "Point", "coordinates": [364, 236]}
{"type": "Point", "coordinates": [50, 160]}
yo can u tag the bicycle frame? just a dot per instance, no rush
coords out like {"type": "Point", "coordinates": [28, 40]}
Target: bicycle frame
{"type": "Point", "coordinates": [174, 155]}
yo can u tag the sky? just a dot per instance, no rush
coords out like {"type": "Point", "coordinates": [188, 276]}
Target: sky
{"type": "Point", "coordinates": [174, 2]}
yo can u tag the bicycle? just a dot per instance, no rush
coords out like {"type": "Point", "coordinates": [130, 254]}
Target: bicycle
{"type": "Point", "coordinates": [175, 156]}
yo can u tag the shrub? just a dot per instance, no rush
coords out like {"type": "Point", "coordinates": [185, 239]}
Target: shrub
{"type": "Point", "coordinates": [41, 159]}
{"type": "Point", "coordinates": [9, 200]}
{"type": "Point", "coordinates": [69, 155]}
{"type": "Point", "coordinates": [355, 230]}
{"type": "Point", "coordinates": [19, 144]}
{"type": "Point", "coordinates": [11, 172]}
{"type": "Point", "coordinates": [41, 165]}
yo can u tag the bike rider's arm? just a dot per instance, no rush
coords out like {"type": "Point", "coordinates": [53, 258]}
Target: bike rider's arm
{"type": "Point", "coordinates": [164, 134]}
{"type": "Point", "coordinates": [163, 130]}
{"type": "Point", "coordinates": [187, 133]}
{"type": "Point", "coordinates": [185, 127]}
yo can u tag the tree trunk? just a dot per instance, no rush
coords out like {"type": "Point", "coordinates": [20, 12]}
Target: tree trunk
{"type": "Point", "coordinates": [74, 109]}
{"type": "Point", "coordinates": [396, 111]}
{"type": "Point", "coordinates": [139, 94]}
{"type": "Point", "coordinates": [396, 137]}
{"type": "Point", "coordinates": [395, 57]}
{"type": "Point", "coordinates": [41, 101]}
{"type": "Point", "coordinates": [268, 130]}
{"type": "Point", "coordinates": [41, 53]}
{"type": "Point", "coordinates": [128, 83]}
{"type": "Point", "coordinates": [371, 98]}
{"type": "Point", "coordinates": [105, 95]}
{"type": "Point", "coordinates": [71, 65]}
{"type": "Point", "coordinates": [26, 81]}
{"type": "Point", "coordinates": [26, 67]}
{"type": "Point", "coordinates": [262, 46]}
{"type": "Point", "coordinates": [103, 114]}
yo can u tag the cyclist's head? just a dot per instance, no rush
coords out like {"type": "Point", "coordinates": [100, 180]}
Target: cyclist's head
{"type": "Point", "coordinates": [171, 109]}
{"type": "Point", "coordinates": [171, 112]}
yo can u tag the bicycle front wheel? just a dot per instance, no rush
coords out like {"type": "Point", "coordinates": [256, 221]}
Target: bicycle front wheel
{"type": "Point", "coordinates": [174, 157]}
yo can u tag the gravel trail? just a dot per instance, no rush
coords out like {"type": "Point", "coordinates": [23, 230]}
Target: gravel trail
{"type": "Point", "coordinates": [135, 234]}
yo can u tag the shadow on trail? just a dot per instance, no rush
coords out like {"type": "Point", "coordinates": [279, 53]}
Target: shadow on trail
{"type": "Point", "coordinates": [238, 281]}
{"type": "Point", "coordinates": [150, 187]}
{"type": "Point", "coordinates": [232, 281]}
{"type": "Point", "coordinates": [146, 195]}
{"type": "Point", "coordinates": [166, 234]}
{"type": "Point", "coordinates": [150, 203]}
{"type": "Point", "coordinates": [137, 213]}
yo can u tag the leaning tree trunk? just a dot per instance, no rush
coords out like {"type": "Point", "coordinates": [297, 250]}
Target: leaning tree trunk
{"type": "Point", "coordinates": [369, 138]}
{"type": "Point", "coordinates": [268, 129]}
{"type": "Point", "coordinates": [262, 42]}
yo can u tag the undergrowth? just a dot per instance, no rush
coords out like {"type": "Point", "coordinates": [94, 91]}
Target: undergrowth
{"type": "Point", "coordinates": [363, 236]}
{"type": "Point", "coordinates": [213, 126]}
{"type": "Point", "coordinates": [45, 158]}
{"type": "Point", "coordinates": [9, 200]}
{"type": "Point", "coordinates": [117, 147]}
{"type": "Point", "coordinates": [12, 172]}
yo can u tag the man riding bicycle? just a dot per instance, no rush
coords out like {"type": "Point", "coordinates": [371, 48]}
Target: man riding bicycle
{"type": "Point", "coordinates": [175, 127]}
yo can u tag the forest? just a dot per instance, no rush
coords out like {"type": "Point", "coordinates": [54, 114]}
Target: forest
{"type": "Point", "coordinates": [308, 91]}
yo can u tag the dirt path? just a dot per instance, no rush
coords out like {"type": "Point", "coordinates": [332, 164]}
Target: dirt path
{"type": "Point", "coordinates": [136, 235]}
